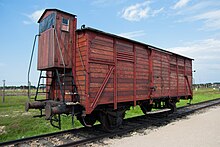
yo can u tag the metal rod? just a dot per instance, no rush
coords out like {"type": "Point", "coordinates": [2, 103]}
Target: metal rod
{"type": "Point", "coordinates": [60, 85]}
{"type": "Point", "coordinates": [29, 68]}
{"type": "Point", "coordinates": [35, 98]}
{"type": "Point", "coordinates": [3, 92]}
{"type": "Point", "coordinates": [64, 66]}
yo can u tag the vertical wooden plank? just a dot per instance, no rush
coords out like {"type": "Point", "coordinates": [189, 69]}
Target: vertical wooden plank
{"type": "Point", "coordinates": [177, 76]}
{"type": "Point", "coordinates": [151, 77]}
{"type": "Point", "coordinates": [161, 76]}
{"type": "Point", "coordinates": [134, 49]}
{"type": "Point", "coordinates": [169, 74]}
{"type": "Point", "coordinates": [115, 75]}
{"type": "Point", "coordinates": [74, 48]}
{"type": "Point", "coordinates": [185, 92]}
{"type": "Point", "coordinates": [87, 71]}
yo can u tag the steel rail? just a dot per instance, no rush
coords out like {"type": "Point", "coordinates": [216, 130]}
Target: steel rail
{"type": "Point", "coordinates": [88, 135]}
{"type": "Point", "coordinates": [146, 123]}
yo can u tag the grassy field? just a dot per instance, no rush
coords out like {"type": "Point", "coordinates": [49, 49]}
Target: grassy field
{"type": "Point", "coordinates": [15, 123]}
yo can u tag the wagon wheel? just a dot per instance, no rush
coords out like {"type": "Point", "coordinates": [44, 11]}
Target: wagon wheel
{"type": "Point", "coordinates": [110, 122]}
{"type": "Point", "coordinates": [88, 120]}
{"type": "Point", "coordinates": [104, 120]}
{"type": "Point", "coordinates": [146, 107]}
{"type": "Point", "coordinates": [172, 105]}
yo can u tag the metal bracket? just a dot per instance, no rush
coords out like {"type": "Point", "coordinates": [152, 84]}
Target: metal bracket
{"type": "Point", "coordinates": [53, 119]}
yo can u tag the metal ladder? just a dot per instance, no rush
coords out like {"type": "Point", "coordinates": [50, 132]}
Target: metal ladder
{"type": "Point", "coordinates": [66, 82]}
{"type": "Point", "coordinates": [39, 85]}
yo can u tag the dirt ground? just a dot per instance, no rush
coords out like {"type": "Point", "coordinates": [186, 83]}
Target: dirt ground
{"type": "Point", "coordinates": [198, 130]}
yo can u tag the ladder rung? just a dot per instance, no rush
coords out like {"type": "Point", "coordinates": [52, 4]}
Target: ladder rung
{"type": "Point", "coordinates": [46, 84]}
{"type": "Point", "coordinates": [45, 77]}
{"type": "Point", "coordinates": [62, 75]}
{"type": "Point", "coordinates": [69, 85]}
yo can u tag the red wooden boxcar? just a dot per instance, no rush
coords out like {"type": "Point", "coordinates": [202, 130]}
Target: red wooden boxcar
{"type": "Point", "coordinates": [114, 70]}
{"type": "Point", "coordinates": [95, 75]}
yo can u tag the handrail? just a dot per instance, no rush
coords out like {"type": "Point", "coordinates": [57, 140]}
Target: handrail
{"type": "Point", "coordinates": [29, 68]}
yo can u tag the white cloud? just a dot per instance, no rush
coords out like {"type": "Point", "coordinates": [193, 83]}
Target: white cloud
{"type": "Point", "coordinates": [206, 55]}
{"type": "Point", "coordinates": [133, 34]}
{"type": "Point", "coordinates": [155, 12]}
{"type": "Point", "coordinates": [211, 19]}
{"type": "Point", "coordinates": [201, 6]}
{"type": "Point", "coordinates": [206, 13]}
{"type": "Point", "coordinates": [136, 12]}
{"type": "Point", "coordinates": [33, 17]}
{"type": "Point", "coordinates": [180, 4]}
{"type": "Point", "coordinates": [139, 11]}
{"type": "Point", "coordinates": [200, 49]}
{"type": "Point", "coordinates": [196, 8]}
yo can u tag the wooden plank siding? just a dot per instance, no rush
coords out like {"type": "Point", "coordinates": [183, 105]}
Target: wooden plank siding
{"type": "Point", "coordinates": [80, 67]}
{"type": "Point", "coordinates": [131, 79]}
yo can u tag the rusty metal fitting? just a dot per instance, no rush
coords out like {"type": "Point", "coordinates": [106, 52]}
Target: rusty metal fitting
{"type": "Point", "coordinates": [40, 104]}
{"type": "Point", "coordinates": [34, 105]}
{"type": "Point", "coordinates": [59, 109]}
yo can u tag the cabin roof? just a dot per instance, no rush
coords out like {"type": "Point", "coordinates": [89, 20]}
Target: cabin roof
{"type": "Point", "coordinates": [57, 10]}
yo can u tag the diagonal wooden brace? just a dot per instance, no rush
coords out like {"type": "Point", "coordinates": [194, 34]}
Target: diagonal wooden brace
{"type": "Point", "coordinates": [190, 90]}
{"type": "Point", "coordinates": [93, 105]}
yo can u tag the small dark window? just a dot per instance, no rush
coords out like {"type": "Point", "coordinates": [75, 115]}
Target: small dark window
{"type": "Point", "coordinates": [65, 25]}
{"type": "Point", "coordinates": [65, 21]}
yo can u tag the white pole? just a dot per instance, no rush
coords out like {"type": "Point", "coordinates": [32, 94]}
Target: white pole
{"type": "Point", "coordinates": [3, 92]}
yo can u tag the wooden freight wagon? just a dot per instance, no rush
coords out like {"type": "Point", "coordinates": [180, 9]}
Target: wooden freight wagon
{"type": "Point", "coordinates": [95, 75]}
{"type": "Point", "coordinates": [112, 70]}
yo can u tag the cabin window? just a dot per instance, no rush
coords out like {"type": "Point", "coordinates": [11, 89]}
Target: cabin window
{"type": "Point", "coordinates": [47, 23]}
{"type": "Point", "coordinates": [65, 24]}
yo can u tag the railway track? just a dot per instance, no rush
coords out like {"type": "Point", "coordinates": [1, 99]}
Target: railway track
{"type": "Point", "coordinates": [81, 136]}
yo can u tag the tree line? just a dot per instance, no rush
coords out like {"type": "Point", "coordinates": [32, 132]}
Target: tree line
{"type": "Point", "coordinates": [18, 87]}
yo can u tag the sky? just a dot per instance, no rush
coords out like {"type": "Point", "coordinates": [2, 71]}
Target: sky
{"type": "Point", "coordinates": [187, 27]}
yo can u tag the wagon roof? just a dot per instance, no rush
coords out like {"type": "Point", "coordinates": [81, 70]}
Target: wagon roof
{"type": "Point", "coordinates": [134, 41]}
{"type": "Point", "coordinates": [54, 10]}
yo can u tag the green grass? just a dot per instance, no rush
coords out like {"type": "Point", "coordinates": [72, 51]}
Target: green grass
{"type": "Point", "coordinates": [19, 124]}
{"type": "Point", "coordinates": [200, 95]}
{"type": "Point", "coordinates": [15, 123]}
